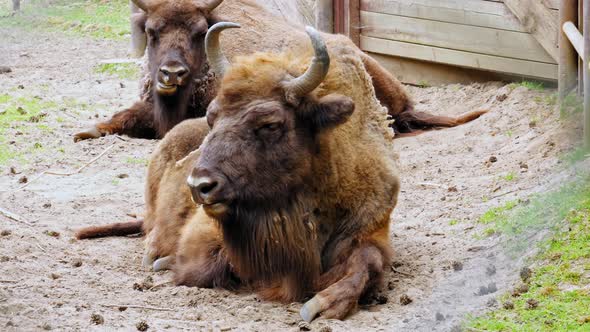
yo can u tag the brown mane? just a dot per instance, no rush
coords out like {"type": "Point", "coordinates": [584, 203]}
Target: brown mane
{"type": "Point", "coordinates": [269, 243]}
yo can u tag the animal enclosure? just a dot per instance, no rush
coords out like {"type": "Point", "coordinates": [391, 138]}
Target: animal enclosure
{"type": "Point", "coordinates": [416, 38]}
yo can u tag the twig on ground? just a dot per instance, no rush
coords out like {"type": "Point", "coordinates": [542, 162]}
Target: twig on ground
{"type": "Point", "coordinates": [83, 166]}
{"type": "Point", "coordinates": [504, 194]}
{"type": "Point", "coordinates": [430, 184]}
{"type": "Point", "coordinates": [121, 138]}
{"type": "Point", "coordinates": [402, 273]}
{"type": "Point", "coordinates": [136, 307]}
{"type": "Point", "coordinates": [9, 281]}
{"type": "Point", "coordinates": [14, 217]}
{"type": "Point", "coordinates": [65, 174]}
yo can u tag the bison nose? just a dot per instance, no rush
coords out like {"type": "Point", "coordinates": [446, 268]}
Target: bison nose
{"type": "Point", "coordinates": [205, 190]}
{"type": "Point", "coordinates": [173, 74]}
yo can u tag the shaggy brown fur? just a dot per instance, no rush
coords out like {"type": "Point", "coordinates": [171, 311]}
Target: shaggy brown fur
{"type": "Point", "coordinates": [261, 31]}
{"type": "Point", "coordinates": [308, 202]}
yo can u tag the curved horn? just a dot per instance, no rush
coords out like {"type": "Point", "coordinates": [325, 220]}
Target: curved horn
{"type": "Point", "coordinates": [140, 4]}
{"type": "Point", "coordinates": [212, 4]}
{"type": "Point", "coordinates": [217, 61]}
{"type": "Point", "coordinates": [315, 74]}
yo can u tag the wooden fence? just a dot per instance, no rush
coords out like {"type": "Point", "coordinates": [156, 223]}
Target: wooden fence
{"type": "Point", "coordinates": [513, 37]}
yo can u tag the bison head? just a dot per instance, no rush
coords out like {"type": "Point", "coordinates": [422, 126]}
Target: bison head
{"type": "Point", "coordinates": [266, 128]}
{"type": "Point", "coordinates": [174, 34]}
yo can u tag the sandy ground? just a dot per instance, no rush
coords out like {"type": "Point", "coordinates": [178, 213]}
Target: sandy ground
{"type": "Point", "coordinates": [55, 282]}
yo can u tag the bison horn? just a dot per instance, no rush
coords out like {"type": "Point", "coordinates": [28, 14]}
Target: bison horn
{"type": "Point", "coordinates": [217, 61]}
{"type": "Point", "coordinates": [141, 4]}
{"type": "Point", "coordinates": [315, 74]}
{"type": "Point", "coordinates": [212, 4]}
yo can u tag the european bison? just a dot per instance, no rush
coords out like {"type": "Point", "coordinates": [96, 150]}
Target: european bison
{"type": "Point", "coordinates": [295, 182]}
{"type": "Point", "coordinates": [180, 86]}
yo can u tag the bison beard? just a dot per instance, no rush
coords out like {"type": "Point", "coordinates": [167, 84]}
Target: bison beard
{"type": "Point", "coordinates": [190, 103]}
{"type": "Point", "coordinates": [271, 249]}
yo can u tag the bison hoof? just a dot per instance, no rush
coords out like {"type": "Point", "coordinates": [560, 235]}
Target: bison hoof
{"type": "Point", "coordinates": [163, 263]}
{"type": "Point", "coordinates": [310, 309]}
{"type": "Point", "coordinates": [147, 261]}
{"type": "Point", "coordinates": [87, 134]}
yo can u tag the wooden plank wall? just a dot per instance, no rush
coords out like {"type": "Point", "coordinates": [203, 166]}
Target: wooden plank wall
{"type": "Point", "coordinates": [479, 34]}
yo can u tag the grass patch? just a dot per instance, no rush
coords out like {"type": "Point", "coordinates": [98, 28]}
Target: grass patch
{"type": "Point", "coordinates": [423, 84]}
{"type": "Point", "coordinates": [571, 104]}
{"type": "Point", "coordinates": [560, 281]}
{"type": "Point", "coordinates": [509, 177]}
{"type": "Point", "coordinates": [20, 115]}
{"type": "Point", "coordinates": [95, 18]}
{"type": "Point", "coordinates": [577, 155]}
{"type": "Point", "coordinates": [536, 86]}
{"type": "Point", "coordinates": [137, 161]}
{"type": "Point", "coordinates": [121, 70]}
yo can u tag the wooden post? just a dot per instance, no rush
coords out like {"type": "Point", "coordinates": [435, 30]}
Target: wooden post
{"type": "Point", "coordinates": [586, 70]}
{"type": "Point", "coordinates": [347, 19]}
{"type": "Point", "coordinates": [568, 57]}
{"type": "Point", "coordinates": [15, 5]}
{"type": "Point", "coordinates": [580, 61]}
{"type": "Point", "coordinates": [353, 25]}
{"type": "Point", "coordinates": [324, 15]}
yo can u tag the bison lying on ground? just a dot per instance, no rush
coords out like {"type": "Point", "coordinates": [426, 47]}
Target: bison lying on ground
{"type": "Point", "coordinates": [294, 182]}
{"type": "Point", "coordinates": [180, 86]}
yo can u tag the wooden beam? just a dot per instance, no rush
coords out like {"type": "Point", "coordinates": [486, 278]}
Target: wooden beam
{"type": "Point", "coordinates": [539, 21]}
{"type": "Point", "coordinates": [490, 41]}
{"type": "Point", "coordinates": [467, 12]}
{"type": "Point", "coordinates": [575, 38]}
{"type": "Point", "coordinates": [324, 15]}
{"type": "Point", "coordinates": [460, 58]}
{"type": "Point", "coordinates": [586, 75]}
{"type": "Point", "coordinates": [568, 57]}
{"type": "Point", "coordinates": [353, 25]}
{"type": "Point", "coordinates": [417, 72]}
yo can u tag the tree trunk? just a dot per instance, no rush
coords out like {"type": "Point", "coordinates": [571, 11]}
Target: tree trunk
{"type": "Point", "coordinates": [15, 5]}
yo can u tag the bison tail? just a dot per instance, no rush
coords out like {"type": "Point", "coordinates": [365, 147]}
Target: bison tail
{"type": "Point", "coordinates": [117, 229]}
{"type": "Point", "coordinates": [411, 122]}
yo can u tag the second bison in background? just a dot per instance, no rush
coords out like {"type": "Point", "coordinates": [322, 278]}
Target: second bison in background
{"type": "Point", "coordinates": [294, 184]}
{"type": "Point", "coordinates": [179, 84]}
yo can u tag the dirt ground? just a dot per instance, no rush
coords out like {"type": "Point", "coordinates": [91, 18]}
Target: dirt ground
{"type": "Point", "coordinates": [48, 280]}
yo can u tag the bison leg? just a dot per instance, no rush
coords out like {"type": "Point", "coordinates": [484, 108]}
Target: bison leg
{"type": "Point", "coordinates": [408, 122]}
{"type": "Point", "coordinates": [358, 274]}
{"type": "Point", "coordinates": [136, 121]}
{"type": "Point", "coordinates": [201, 259]}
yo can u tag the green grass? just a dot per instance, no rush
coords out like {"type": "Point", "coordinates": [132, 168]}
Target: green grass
{"type": "Point", "coordinates": [137, 161]}
{"type": "Point", "coordinates": [571, 104]}
{"type": "Point", "coordinates": [121, 70]}
{"type": "Point", "coordinates": [561, 275]}
{"type": "Point", "coordinates": [95, 18]}
{"type": "Point", "coordinates": [509, 177]}
{"type": "Point", "coordinates": [423, 84]}
{"type": "Point", "coordinates": [577, 155]}
{"type": "Point", "coordinates": [536, 86]}
{"type": "Point", "coordinates": [16, 114]}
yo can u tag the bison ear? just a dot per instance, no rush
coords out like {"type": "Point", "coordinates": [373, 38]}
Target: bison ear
{"type": "Point", "coordinates": [331, 111]}
{"type": "Point", "coordinates": [138, 36]}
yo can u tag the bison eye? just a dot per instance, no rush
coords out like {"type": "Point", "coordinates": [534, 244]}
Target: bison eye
{"type": "Point", "coordinates": [197, 35]}
{"type": "Point", "coordinates": [152, 34]}
{"type": "Point", "coordinates": [269, 130]}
